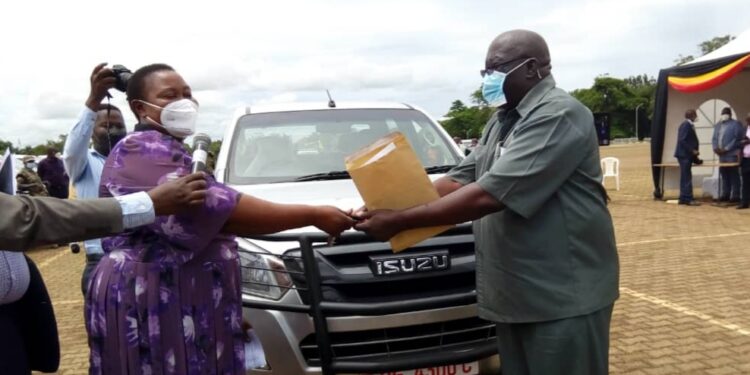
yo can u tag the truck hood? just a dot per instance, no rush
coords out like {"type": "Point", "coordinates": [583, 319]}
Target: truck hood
{"type": "Point", "coordinates": [338, 193]}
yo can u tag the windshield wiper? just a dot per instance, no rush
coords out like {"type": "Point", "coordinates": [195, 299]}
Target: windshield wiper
{"type": "Point", "coordinates": [333, 175]}
{"type": "Point", "coordinates": [340, 175]}
{"type": "Point", "coordinates": [439, 169]}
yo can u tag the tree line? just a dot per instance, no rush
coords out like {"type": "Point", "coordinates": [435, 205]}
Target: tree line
{"type": "Point", "coordinates": [628, 101]}
{"type": "Point", "coordinates": [41, 149]}
{"type": "Point", "coordinates": [620, 98]}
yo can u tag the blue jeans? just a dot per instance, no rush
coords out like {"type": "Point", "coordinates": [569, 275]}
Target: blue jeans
{"type": "Point", "coordinates": [686, 180]}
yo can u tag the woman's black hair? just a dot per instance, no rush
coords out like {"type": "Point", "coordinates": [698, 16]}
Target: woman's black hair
{"type": "Point", "coordinates": [137, 82]}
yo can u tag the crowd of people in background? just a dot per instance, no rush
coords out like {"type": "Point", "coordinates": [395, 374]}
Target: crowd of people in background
{"type": "Point", "coordinates": [43, 179]}
{"type": "Point", "coordinates": [731, 144]}
{"type": "Point", "coordinates": [466, 146]}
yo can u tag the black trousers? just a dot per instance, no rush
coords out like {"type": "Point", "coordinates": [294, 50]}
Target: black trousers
{"type": "Point", "coordinates": [745, 192]}
{"type": "Point", "coordinates": [92, 260]}
{"type": "Point", "coordinates": [686, 180]}
{"type": "Point", "coordinates": [59, 191]}
{"type": "Point", "coordinates": [729, 187]}
{"type": "Point", "coordinates": [29, 331]}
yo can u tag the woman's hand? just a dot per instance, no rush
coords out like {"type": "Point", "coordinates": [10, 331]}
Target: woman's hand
{"type": "Point", "coordinates": [356, 214]}
{"type": "Point", "coordinates": [332, 220]}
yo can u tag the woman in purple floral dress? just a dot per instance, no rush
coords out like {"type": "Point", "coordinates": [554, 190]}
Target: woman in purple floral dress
{"type": "Point", "coordinates": [166, 297]}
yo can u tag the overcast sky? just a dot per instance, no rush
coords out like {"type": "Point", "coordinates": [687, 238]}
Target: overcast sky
{"type": "Point", "coordinates": [426, 53]}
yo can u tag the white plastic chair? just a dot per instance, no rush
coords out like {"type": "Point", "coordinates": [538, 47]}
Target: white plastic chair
{"type": "Point", "coordinates": [710, 185]}
{"type": "Point", "coordinates": [611, 168]}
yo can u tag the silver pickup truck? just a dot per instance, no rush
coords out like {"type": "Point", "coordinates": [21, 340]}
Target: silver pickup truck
{"type": "Point", "coordinates": [354, 307]}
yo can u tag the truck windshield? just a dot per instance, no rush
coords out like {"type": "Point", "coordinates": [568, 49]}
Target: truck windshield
{"type": "Point", "coordinates": [302, 145]}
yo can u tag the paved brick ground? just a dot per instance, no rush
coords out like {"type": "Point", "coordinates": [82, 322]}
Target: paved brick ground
{"type": "Point", "coordinates": [684, 280]}
{"type": "Point", "coordinates": [684, 283]}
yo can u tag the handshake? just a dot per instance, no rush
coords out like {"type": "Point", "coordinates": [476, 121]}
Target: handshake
{"type": "Point", "coordinates": [334, 221]}
{"type": "Point", "coordinates": [380, 224]}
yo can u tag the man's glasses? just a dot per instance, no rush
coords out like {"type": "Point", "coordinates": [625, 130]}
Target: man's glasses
{"type": "Point", "coordinates": [501, 68]}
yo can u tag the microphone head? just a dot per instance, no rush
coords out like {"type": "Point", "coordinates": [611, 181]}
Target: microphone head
{"type": "Point", "coordinates": [201, 138]}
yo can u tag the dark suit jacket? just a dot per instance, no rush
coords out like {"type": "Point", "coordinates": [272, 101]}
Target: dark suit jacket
{"type": "Point", "coordinates": [27, 221]}
{"type": "Point", "coordinates": [687, 141]}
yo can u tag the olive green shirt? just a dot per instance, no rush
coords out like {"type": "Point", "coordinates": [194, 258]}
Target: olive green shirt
{"type": "Point", "coordinates": [28, 180]}
{"type": "Point", "coordinates": [550, 254]}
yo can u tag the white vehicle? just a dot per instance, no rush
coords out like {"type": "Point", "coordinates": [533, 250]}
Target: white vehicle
{"type": "Point", "coordinates": [320, 309]}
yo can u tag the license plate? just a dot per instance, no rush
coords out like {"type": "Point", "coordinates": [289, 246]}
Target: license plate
{"type": "Point", "coordinates": [463, 369]}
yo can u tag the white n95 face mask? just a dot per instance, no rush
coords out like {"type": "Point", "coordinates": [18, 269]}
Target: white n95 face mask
{"type": "Point", "coordinates": [724, 117]}
{"type": "Point", "coordinates": [178, 118]}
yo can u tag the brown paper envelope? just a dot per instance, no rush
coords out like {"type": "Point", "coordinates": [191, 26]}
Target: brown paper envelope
{"type": "Point", "coordinates": [389, 175]}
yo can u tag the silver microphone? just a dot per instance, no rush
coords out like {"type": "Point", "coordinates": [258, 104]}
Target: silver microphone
{"type": "Point", "coordinates": [201, 143]}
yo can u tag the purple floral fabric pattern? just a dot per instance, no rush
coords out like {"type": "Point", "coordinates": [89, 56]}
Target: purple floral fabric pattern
{"type": "Point", "coordinates": [166, 297]}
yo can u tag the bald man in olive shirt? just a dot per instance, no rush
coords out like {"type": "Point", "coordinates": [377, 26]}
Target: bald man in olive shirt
{"type": "Point", "coordinates": [546, 262]}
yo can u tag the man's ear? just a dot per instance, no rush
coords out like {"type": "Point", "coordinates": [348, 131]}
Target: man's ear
{"type": "Point", "coordinates": [532, 69]}
{"type": "Point", "coordinates": [137, 107]}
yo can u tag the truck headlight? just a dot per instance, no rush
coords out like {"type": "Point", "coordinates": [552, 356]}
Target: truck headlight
{"type": "Point", "coordinates": [263, 275]}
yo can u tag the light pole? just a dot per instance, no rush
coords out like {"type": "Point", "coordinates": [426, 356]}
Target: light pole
{"type": "Point", "coordinates": [636, 119]}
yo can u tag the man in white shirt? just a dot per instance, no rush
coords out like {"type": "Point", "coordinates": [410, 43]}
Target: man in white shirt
{"type": "Point", "coordinates": [104, 126]}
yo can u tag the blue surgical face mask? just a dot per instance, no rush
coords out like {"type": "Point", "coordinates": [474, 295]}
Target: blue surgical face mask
{"type": "Point", "coordinates": [492, 86]}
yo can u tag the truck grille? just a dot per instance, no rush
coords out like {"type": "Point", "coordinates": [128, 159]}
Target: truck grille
{"type": "Point", "coordinates": [392, 343]}
{"type": "Point", "coordinates": [346, 275]}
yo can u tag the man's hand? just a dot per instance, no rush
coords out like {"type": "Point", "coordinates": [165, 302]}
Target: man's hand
{"type": "Point", "coordinates": [332, 220]}
{"type": "Point", "coordinates": [102, 79]}
{"type": "Point", "coordinates": [359, 212]}
{"type": "Point", "coordinates": [179, 195]}
{"type": "Point", "coordinates": [719, 151]}
{"type": "Point", "coordinates": [380, 224]}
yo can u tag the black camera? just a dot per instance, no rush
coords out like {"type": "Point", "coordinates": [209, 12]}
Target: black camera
{"type": "Point", "coordinates": [122, 76]}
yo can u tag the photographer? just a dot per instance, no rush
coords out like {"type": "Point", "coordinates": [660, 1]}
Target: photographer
{"type": "Point", "coordinates": [103, 124]}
